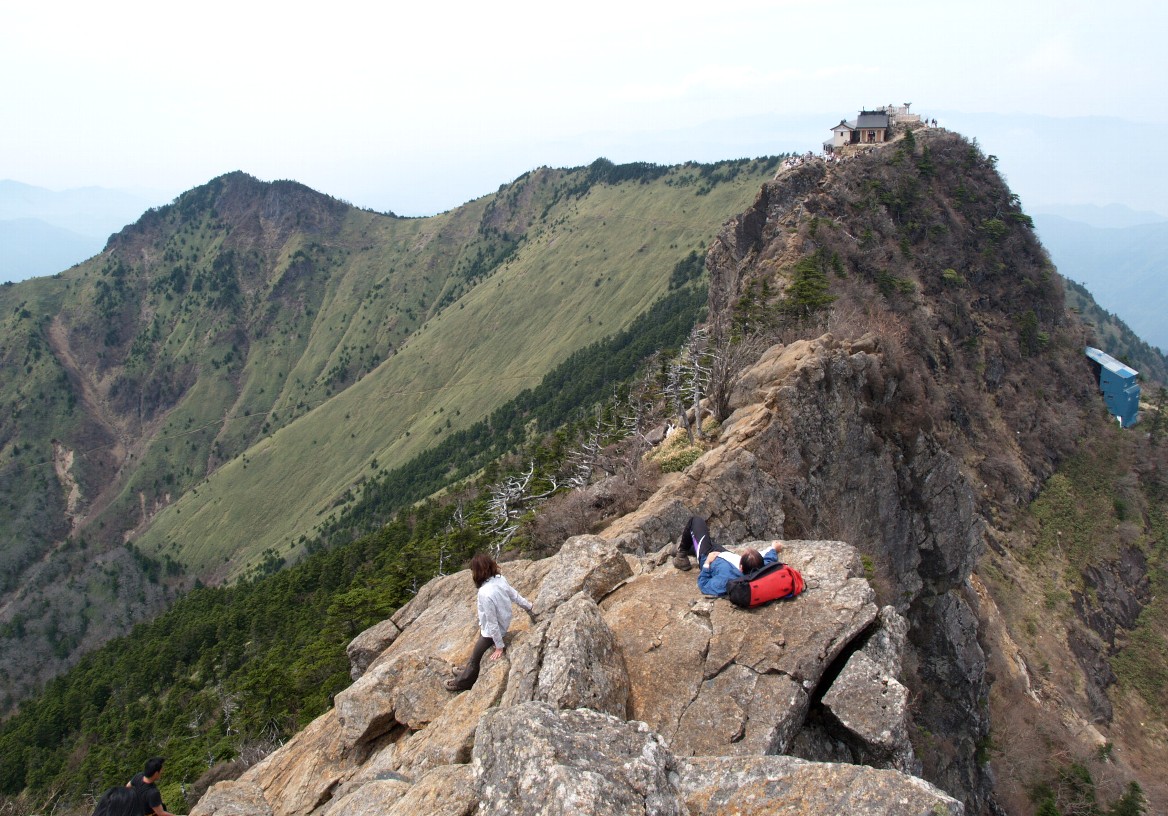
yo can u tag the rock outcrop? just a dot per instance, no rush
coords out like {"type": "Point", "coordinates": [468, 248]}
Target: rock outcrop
{"type": "Point", "coordinates": [635, 693]}
{"type": "Point", "coordinates": [655, 700]}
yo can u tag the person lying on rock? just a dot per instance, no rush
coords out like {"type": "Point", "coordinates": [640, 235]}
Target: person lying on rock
{"type": "Point", "coordinates": [494, 614]}
{"type": "Point", "coordinates": [718, 566]}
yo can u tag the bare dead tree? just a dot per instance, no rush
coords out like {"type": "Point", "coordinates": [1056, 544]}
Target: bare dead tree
{"type": "Point", "coordinates": [729, 354]}
{"type": "Point", "coordinates": [697, 372]}
{"type": "Point", "coordinates": [510, 501]}
{"type": "Point", "coordinates": [583, 460]}
{"type": "Point", "coordinates": [639, 412]}
{"type": "Point", "coordinates": [674, 388]}
{"type": "Point", "coordinates": [228, 704]}
{"type": "Point", "coordinates": [458, 518]}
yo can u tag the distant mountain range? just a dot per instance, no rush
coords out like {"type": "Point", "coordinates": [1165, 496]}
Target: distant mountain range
{"type": "Point", "coordinates": [1120, 256]}
{"type": "Point", "coordinates": [43, 232]}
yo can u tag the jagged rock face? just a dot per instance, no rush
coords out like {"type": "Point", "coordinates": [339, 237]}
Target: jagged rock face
{"type": "Point", "coordinates": [236, 799]}
{"type": "Point", "coordinates": [630, 671]}
{"type": "Point", "coordinates": [581, 665]}
{"type": "Point", "coordinates": [812, 411]}
{"type": "Point", "coordinates": [1116, 594]}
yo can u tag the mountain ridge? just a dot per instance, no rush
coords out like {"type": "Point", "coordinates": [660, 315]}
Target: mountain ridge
{"type": "Point", "coordinates": [945, 422]}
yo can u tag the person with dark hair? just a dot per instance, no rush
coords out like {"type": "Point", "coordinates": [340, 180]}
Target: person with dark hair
{"type": "Point", "coordinates": [495, 597]}
{"type": "Point", "coordinates": [120, 801]}
{"type": "Point", "coordinates": [146, 787]}
{"type": "Point", "coordinates": [718, 566]}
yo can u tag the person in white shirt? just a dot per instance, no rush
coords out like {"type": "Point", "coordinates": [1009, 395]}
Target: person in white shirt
{"type": "Point", "coordinates": [494, 613]}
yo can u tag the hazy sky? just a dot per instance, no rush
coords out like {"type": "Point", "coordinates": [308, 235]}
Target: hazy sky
{"type": "Point", "coordinates": [419, 107]}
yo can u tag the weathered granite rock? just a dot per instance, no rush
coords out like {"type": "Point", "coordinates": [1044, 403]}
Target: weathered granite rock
{"type": "Point", "coordinates": [588, 564]}
{"type": "Point", "coordinates": [532, 759]}
{"type": "Point", "coordinates": [449, 738]}
{"type": "Point", "coordinates": [525, 658]}
{"type": "Point", "coordinates": [656, 524]}
{"type": "Point", "coordinates": [365, 648]}
{"type": "Point", "coordinates": [786, 786]}
{"type": "Point", "coordinates": [868, 706]}
{"type": "Point", "coordinates": [233, 799]}
{"type": "Point", "coordinates": [433, 591]}
{"type": "Point", "coordinates": [406, 689]}
{"type": "Point", "coordinates": [380, 766]}
{"type": "Point", "coordinates": [443, 791]}
{"type": "Point", "coordinates": [727, 486]}
{"type": "Point", "coordinates": [744, 498]}
{"type": "Point", "coordinates": [371, 799]}
{"type": "Point", "coordinates": [302, 775]}
{"type": "Point", "coordinates": [581, 666]}
{"type": "Point", "coordinates": [871, 704]}
{"type": "Point", "coordinates": [446, 790]}
{"type": "Point", "coordinates": [657, 435]}
{"type": "Point", "coordinates": [886, 644]}
{"type": "Point", "coordinates": [741, 712]}
{"type": "Point", "coordinates": [715, 679]}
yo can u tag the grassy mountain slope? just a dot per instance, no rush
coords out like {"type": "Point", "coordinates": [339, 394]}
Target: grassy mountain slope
{"type": "Point", "coordinates": [232, 365]}
{"type": "Point", "coordinates": [561, 289]}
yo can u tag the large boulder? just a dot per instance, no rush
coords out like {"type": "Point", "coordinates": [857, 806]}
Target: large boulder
{"type": "Point", "coordinates": [367, 646]}
{"type": "Point", "coordinates": [872, 705]}
{"type": "Point", "coordinates": [739, 711]}
{"type": "Point", "coordinates": [443, 791]}
{"type": "Point", "coordinates": [655, 524]}
{"type": "Point", "coordinates": [786, 786]}
{"type": "Point", "coordinates": [533, 759]}
{"type": "Point", "coordinates": [716, 679]}
{"type": "Point", "coordinates": [449, 738]}
{"type": "Point", "coordinates": [582, 666]}
{"type": "Point", "coordinates": [406, 689]}
{"type": "Point", "coordinates": [371, 799]}
{"type": "Point", "coordinates": [588, 564]}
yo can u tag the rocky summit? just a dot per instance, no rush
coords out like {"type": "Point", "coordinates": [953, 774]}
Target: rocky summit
{"type": "Point", "coordinates": [631, 692]}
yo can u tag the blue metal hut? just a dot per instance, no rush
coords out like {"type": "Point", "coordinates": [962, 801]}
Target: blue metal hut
{"type": "Point", "coordinates": [1118, 383]}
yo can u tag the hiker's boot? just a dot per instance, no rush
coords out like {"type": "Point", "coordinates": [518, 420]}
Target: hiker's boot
{"type": "Point", "coordinates": [681, 562]}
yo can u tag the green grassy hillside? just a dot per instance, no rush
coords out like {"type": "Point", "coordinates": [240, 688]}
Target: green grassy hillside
{"type": "Point", "coordinates": [584, 269]}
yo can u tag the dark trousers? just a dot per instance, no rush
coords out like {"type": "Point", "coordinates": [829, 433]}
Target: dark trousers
{"type": "Point", "coordinates": [695, 540]}
{"type": "Point", "coordinates": [470, 672]}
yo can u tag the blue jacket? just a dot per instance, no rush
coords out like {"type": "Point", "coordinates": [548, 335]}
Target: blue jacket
{"type": "Point", "coordinates": [715, 579]}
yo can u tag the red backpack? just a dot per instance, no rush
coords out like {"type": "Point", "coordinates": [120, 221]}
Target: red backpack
{"type": "Point", "coordinates": [771, 583]}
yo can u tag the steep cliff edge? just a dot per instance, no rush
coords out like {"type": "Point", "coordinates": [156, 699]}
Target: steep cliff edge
{"type": "Point", "coordinates": [928, 458]}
